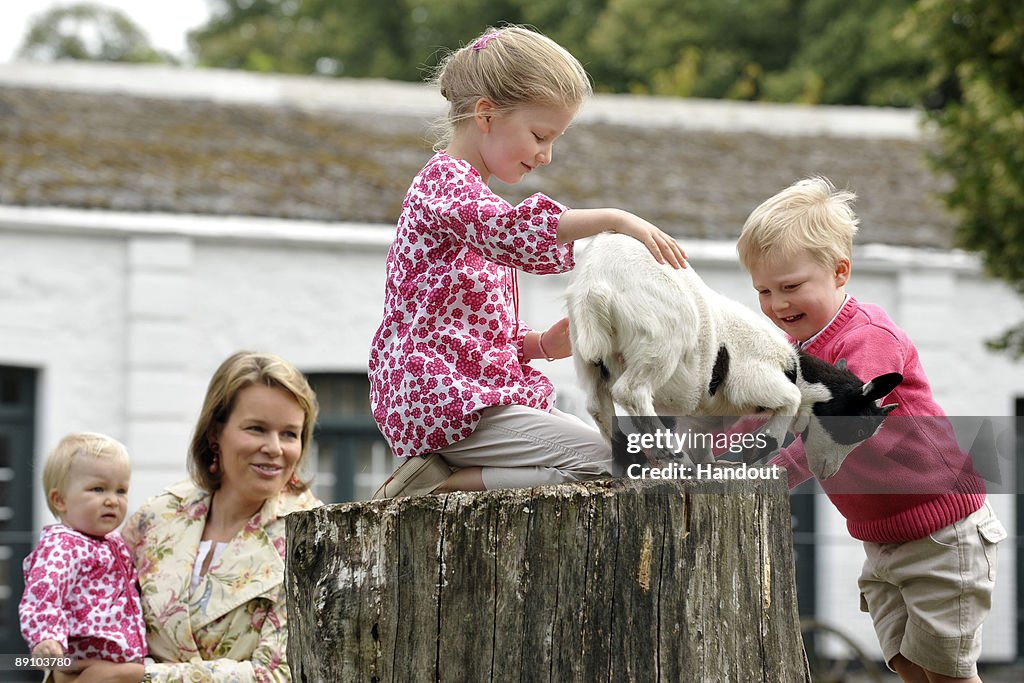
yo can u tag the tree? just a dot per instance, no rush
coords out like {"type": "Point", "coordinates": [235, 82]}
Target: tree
{"type": "Point", "coordinates": [261, 35]}
{"type": "Point", "coordinates": [814, 51]}
{"type": "Point", "coordinates": [626, 580]}
{"type": "Point", "coordinates": [847, 52]}
{"type": "Point", "coordinates": [811, 51]}
{"type": "Point", "coordinates": [86, 31]}
{"type": "Point", "coordinates": [353, 38]}
{"type": "Point", "coordinates": [701, 48]}
{"type": "Point", "coordinates": [978, 52]}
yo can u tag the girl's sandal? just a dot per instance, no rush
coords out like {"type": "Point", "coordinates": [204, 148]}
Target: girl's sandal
{"type": "Point", "coordinates": [417, 476]}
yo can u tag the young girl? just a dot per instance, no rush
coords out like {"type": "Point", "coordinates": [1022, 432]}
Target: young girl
{"type": "Point", "coordinates": [450, 379]}
{"type": "Point", "coordinates": [80, 596]}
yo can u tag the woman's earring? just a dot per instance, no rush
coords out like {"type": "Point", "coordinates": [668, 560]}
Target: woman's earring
{"type": "Point", "coordinates": [215, 447]}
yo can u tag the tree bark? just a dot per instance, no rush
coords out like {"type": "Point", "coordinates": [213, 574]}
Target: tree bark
{"type": "Point", "coordinates": [613, 580]}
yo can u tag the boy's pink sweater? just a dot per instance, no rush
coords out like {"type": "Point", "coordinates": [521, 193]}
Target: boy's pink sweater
{"type": "Point", "coordinates": [911, 478]}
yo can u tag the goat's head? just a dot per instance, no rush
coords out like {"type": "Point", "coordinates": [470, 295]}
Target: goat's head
{"type": "Point", "coordinates": [845, 411]}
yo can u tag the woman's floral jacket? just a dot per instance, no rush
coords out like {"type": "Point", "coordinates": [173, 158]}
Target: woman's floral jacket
{"type": "Point", "coordinates": [234, 626]}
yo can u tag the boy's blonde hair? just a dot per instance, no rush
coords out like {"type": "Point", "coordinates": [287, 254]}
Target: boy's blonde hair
{"type": "Point", "coordinates": [810, 214]}
{"type": "Point", "coordinates": [511, 67]}
{"type": "Point", "coordinates": [77, 445]}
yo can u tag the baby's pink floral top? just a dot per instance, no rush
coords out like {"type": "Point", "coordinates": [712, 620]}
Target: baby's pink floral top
{"type": "Point", "coordinates": [80, 591]}
{"type": "Point", "coordinates": [451, 343]}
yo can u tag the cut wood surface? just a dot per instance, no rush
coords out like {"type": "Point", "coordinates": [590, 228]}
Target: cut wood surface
{"type": "Point", "coordinates": [604, 581]}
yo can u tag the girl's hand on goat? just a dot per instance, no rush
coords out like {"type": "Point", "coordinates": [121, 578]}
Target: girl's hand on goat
{"type": "Point", "coordinates": [576, 224]}
{"type": "Point", "coordinates": [553, 343]}
{"type": "Point", "coordinates": [659, 243]}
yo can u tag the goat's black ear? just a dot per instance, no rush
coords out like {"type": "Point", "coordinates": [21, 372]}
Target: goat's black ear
{"type": "Point", "coordinates": [841, 363]}
{"type": "Point", "coordinates": [881, 386]}
{"type": "Point", "coordinates": [889, 408]}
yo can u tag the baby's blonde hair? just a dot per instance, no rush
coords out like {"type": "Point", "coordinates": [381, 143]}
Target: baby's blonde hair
{"type": "Point", "coordinates": [810, 214]}
{"type": "Point", "coordinates": [77, 445]}
{"type": "Point", "coordinates": [511, 67]}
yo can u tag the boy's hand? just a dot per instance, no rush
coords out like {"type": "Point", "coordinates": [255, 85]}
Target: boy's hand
{"type": "Point", "coordinates": [659, 243]}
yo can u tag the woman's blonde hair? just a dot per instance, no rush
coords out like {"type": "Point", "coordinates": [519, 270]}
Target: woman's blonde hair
{"type": "Point", "coordinates": [57, 467]}
{"type": "Point", "coordinates": [239, 371]}
{"type": "Point", "coordinates": [810, 214]}
{"type": "Point", "coordinates": [511, 67]}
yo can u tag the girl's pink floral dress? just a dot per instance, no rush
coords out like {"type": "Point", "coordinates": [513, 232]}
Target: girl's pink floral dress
{"type": "Point", "coordinates": [451, 343]}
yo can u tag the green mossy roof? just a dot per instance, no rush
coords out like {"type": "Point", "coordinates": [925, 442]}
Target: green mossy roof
{"type": "Point", "coordinates": [120, 152]}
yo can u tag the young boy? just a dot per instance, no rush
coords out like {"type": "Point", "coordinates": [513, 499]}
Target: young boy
{"type": "Point", "coordinates": [80, 596]}
{"type": "Point", "coordinates": [909, 493]}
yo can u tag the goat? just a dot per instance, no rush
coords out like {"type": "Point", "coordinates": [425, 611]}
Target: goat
{"type": "Point", "coordinates": [659, 341]}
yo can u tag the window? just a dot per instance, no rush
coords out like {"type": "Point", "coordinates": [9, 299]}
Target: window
{"type": "Point", "coordinates": [352, 459]}
{"type": "Point", "coordinates": [17, 488]}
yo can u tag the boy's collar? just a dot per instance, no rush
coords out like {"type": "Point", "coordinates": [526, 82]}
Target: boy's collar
{"type": "Point", "coordinates": [810, 340]}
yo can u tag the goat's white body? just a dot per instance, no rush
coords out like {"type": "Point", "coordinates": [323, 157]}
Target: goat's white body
{"type": "Point", "coordinates": [658, 332]}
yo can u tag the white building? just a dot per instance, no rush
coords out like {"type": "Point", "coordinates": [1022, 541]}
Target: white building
{"type": "Point", "coordinates": [135, 254]}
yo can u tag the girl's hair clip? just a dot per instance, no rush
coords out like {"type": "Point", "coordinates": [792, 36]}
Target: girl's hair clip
{"type": "Point", "coordinates": [481, 43]}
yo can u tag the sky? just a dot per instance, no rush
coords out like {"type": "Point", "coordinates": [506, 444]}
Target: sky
{"type": "Point", "coordinates": [165, 21]}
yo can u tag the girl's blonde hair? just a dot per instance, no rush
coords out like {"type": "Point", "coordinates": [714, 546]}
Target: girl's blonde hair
{"type": "Point", "coordinates": [810, 214]}
{"type": "Point", "coordinates": [511, 67]}
{"type": "Point", "coordinates": [76, 445]}
{"type": "Point", "coordinates": [239, 371]}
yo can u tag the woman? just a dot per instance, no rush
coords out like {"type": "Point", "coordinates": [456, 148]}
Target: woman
{"type": "Point", "coordinates": [210, 551]}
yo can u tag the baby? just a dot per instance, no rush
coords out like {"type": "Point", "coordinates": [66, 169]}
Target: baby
{"type": "Point", "coordinates": [80, 598]}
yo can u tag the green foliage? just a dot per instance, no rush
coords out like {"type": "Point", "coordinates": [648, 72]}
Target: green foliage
{"type": "Point", "coordinates": [814, 51]}
{"type": "Point", "coordinates": [847, 53]}
{"type": "Point", "coordinates": [702, 48]}
{"type": "Point", "coordinates": [354, 38]}
{"type": "Point", "coordinates": [86, 31]}
{"type": "Point", "coordinates": [978, 45]}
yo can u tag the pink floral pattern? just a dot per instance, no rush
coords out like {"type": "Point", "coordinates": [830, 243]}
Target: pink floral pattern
{"type": "Point", "coordinates": [451, 342]}
{"type": "Point", "coordinates": [80, 591]}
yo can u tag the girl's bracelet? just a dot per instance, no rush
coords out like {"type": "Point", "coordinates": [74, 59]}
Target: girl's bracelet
{"type": "Point", "coordinates": [540, 345]}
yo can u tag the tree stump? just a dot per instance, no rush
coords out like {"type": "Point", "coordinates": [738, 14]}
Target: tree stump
{"type": "Point", "coordinates": [613, 580]}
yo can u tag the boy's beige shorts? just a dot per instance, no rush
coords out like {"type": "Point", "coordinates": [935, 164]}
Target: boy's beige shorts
{"type": "Point", "coordinates": [929, 597]}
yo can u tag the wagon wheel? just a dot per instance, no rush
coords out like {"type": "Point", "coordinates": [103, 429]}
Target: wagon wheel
{"type": "Point", "coordinates": [828, 668]}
